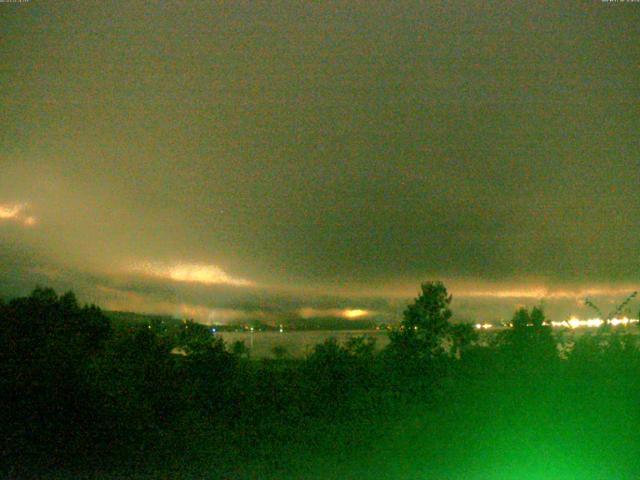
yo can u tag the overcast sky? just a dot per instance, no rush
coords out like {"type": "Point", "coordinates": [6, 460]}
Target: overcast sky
{"type": "Point", "coordinates": [234, 157]}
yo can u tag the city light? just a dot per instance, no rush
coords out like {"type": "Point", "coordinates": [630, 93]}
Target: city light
{"type": "Point", "coordinates": [575, 322]}
{"type": "Point", "coordinates": [483, 326]}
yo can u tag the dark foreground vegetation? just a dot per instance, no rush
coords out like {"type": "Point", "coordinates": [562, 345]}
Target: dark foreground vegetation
{"type": "Point", "coordinates": [85, 397]}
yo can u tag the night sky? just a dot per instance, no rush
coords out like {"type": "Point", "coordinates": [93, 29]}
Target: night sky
{"type": "Point", "coordinates": [228, 160]}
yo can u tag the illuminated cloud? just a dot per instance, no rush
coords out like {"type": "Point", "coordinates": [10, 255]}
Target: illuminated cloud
{"type": "Point", "coordinates": [16, 212]}
{"type": "Point", "coordinates": [356, 313]}
{"type": "Point", "coordinates": [348, 313]}
{"type": "Point", "coordinates": [123, 300]}
{"type": "Point", "coordinates": [10, 211]}
{"type": "Point", "coordinates": [541, 292]}
{"type": "Point", "coordinates": [191, 273]}
{"type": "Point", "coordinates": [214, 316]}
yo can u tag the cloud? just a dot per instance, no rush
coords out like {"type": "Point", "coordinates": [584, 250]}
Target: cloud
{"type": "Point", "coordinates": [10, 211]}
{"type": "Point", "coordinates": [17, 212]}
{"type": "Point", "coordinates": [348, 313]}
{"type": "Point", "coordinates": [191, 273]}
{"type": "Point", "coordinates": [547, 293]}
{"type": "Point", "coordinates": [371, 172]}
{"type": "Point", "coordinates": [115, 298]}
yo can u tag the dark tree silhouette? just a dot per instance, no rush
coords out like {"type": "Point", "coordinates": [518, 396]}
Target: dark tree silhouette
{"type": "Point", "coordinates": [76, 395]}
{"type": "Point", "coordinates": [45, 343]}
{"type": "Point", "coordinates": [280, 352]}
{"type": "Point", "coordinates": [529, 343]}
{"type": "Point", "coordinates": [425, 324]}
{"type": "Point", "coordinates": [240, 349]}
{"type": "Point", "coordinates": [463, 335]}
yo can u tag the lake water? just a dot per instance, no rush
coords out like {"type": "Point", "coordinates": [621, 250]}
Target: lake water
{"type": "Point", "coordinates": [297, 344]}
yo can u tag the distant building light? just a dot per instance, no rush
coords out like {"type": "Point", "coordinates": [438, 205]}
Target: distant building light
{"type": "Point", "coordinates": [574, 322]}
{"type": "Point", "coordinates": [483, 326]}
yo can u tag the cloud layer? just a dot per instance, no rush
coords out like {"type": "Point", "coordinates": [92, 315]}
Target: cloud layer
{"type": "Point", "coordinates": [321, 156]}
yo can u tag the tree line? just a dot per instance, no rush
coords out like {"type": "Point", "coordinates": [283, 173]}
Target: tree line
{"type": "Point", "coordinates": [77, 390]}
